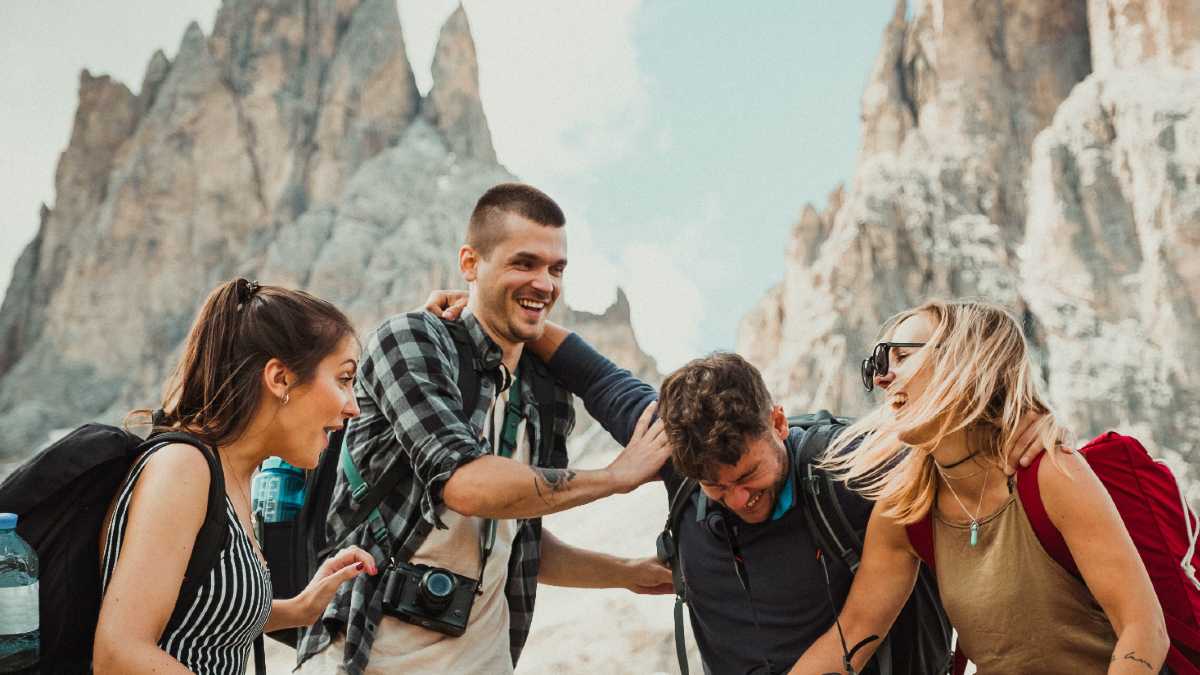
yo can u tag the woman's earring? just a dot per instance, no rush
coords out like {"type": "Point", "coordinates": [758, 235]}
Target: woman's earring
{"type": "Point", "coordinates": [286, 396]}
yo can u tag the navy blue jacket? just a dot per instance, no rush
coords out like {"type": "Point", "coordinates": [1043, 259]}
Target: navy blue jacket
{"type": "Point", "coordinates": [788, 606]}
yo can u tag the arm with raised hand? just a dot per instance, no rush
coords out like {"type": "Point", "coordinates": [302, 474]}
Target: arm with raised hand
{"type": "Point", "coordinates": [405, 373]}
{"type": "Point", "coordinates": [1082, 510]}
{"type": "Point", "coordinates": [496, 487]}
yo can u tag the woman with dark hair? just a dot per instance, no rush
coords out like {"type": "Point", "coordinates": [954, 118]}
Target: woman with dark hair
{"type": "Point", "coordinates": [266, 371]}
{"type": "Point", "coordinates": [957, 379]}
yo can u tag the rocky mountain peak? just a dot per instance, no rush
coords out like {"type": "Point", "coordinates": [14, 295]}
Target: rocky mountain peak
{"type": "Point", "coordinates": [453, 104]}
{"type": "Point", "coordinates": [1130, 32]}
{"type": "Point", "coordinates": [287, 146]}
{"type": "Point", "coordinates": [156, 73]}
{"type": "Point", "coordinates": [995, 163]}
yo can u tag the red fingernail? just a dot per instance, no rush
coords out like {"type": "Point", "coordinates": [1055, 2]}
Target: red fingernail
{"type": "Point", "coordinates": [359, 566]}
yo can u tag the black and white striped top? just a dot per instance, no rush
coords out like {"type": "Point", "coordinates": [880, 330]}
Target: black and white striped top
{"type": "Point", "coordinates": [230, 607]}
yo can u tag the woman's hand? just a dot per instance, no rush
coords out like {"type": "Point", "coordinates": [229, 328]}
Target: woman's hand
{"type": "Point", "coordinates": [446, 304]}
{"type": "Point", "coordinates": [307, 607]}
{"type": "Point", "coordinates": [1029, 443]}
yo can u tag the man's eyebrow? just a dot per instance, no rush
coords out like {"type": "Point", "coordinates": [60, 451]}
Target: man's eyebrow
{"type": "Point", "coordinates": [531, 256]}
{"type": "Point", "coordinates": [745, 474]}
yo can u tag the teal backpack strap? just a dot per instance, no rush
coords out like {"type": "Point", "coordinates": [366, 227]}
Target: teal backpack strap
{"type": "Point", "coordinates": [358, 492]}
{"type": "Point", "coordinates": [364, 493]}
{"type": "Point", "coordinates": [513, 416]}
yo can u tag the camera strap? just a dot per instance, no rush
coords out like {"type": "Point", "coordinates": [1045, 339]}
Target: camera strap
{"type": "Point", "coordinates": [503, 444]}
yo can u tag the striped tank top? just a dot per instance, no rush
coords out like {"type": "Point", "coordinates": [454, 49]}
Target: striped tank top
{"type": "Point", "coordinates": [228, 610]}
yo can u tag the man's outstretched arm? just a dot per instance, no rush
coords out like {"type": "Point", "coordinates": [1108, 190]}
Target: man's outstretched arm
{"type": "Point", "coordinates": [405, 373]}
{"type": "Point", "coordinates": [497, 487]}
{"type": "Point", "coordinates": [612, 395]}
{"type": "Point", "coordinates": [566, 565]}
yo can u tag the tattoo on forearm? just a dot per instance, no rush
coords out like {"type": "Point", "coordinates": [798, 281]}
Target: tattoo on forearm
{"type": "Point", "coordinates": [1133, 657]}
{"type": "Point", "coordinates": [554, 480]}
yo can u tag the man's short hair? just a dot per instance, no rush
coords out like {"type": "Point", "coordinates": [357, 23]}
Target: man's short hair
{"type": "Point", "coordinates": [710, 408]}
{"type": "Point", "coordinates": [486, 227]}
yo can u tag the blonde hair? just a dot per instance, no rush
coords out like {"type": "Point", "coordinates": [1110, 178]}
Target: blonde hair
{"type": "Point", "coordinates": [981, 382]}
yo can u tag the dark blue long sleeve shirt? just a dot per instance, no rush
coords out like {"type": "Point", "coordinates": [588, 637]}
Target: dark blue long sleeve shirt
{"type": "Point", "coordinates": [789, 604]}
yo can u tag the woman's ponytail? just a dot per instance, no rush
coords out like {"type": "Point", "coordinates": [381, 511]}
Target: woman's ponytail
{"type": "Point", "coordinates": [215, 388]}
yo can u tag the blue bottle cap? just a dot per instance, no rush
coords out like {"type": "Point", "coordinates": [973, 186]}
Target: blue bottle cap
{"type": "Point", "coordinates": [8, 521]}
{"type": "Point", "coordinates": [277, 464]}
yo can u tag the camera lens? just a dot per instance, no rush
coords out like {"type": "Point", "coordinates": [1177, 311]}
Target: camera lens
{"type": "Point", "coordinates": [436, 590]}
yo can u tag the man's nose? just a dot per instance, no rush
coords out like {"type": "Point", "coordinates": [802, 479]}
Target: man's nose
{"type": "Point", "coordinates": [737, 497]}
{"type": "Point", "coordinates": [543, 283]}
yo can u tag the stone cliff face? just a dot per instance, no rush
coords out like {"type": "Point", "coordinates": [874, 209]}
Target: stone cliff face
{"type": "Point", "coordinates": [1042, 155]}
{"type": "Point", "coordinates": [291, 145]}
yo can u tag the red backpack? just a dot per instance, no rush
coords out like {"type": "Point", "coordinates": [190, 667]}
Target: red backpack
{"type": "Point", "coordinates": [1156, 514]}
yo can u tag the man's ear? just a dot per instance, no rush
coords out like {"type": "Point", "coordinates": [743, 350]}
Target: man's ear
{"type": "Point", "coordinates": [779, 423]}
{"type": "Point", "coordinates": [468, 263]}
{"type": "Point", "coordinates": [278, 378]}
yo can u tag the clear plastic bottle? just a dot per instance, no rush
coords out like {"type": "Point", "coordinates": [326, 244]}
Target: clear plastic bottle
{"type": "Point", "coordinates": [18, 599]}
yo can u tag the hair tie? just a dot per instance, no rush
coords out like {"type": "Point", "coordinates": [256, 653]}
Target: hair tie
{"type": "Point", "coordinates": [246, 290]}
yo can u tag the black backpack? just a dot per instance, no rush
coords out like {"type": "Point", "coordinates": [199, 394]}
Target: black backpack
{"type": "Point", "coordinates": [61, 496]}
{"type": "Point", "coordinates": [919, 642]}
{"type": "Point", "coordinates": [294, 549]}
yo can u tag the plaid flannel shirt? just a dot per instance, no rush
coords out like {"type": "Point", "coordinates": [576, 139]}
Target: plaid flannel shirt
{"type": "Point", "coordinates": [412, 412]}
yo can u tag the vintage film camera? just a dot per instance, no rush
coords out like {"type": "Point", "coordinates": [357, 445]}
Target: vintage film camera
{"type": "Point", "coordinates": [430, 597]}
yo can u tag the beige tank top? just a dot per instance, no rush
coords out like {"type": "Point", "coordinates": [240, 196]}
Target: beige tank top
{"type": "Point", "coordinates": [1016, 610]}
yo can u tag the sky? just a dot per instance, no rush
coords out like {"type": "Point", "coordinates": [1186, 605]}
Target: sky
{"type": "Point", "coordinates": [681, 138]}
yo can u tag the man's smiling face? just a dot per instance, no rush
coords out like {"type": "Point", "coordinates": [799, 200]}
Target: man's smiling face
{"type": "Point", "coordinates": [518, 281]}
{"type": "Point", "coordinates": [750, 487]}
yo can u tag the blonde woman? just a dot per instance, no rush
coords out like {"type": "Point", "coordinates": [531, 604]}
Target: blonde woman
{"type": "Point", "coordinates": [957, 377]}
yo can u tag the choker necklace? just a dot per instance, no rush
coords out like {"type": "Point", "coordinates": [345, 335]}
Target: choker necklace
{"type": "Point", "coordinates": [954, 464]}
{"type": "Point", "coordinates": [978, 507]}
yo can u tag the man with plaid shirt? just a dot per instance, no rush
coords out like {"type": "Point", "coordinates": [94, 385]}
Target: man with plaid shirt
{"type": "Point", "coordinates": [412, 412]}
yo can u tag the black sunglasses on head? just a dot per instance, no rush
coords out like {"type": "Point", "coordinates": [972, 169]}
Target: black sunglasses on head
{"type": "Point", "coordinates": [877, 363]}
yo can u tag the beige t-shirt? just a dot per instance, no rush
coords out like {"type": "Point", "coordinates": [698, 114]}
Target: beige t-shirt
{"type": "Point", "coordinates": [401, 647]}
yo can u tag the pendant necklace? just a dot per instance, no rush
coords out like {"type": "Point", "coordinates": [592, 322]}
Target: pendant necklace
{"type": "Point", "coordinates": [974, 517]}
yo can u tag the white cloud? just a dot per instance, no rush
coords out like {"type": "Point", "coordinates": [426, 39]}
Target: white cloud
{"type": "Point", "coordinates": [667, 305]}
{"type": "Point", "coordinates": [591, 278]}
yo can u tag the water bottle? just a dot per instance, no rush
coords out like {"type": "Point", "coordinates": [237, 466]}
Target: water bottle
{"type": "Point", "coordinates": [277, 492]}
{"type": "Point", "coordinates": [18, 599]}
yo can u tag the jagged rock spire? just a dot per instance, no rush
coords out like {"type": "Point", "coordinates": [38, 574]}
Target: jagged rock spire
{"type": "Point", "coordinates": [453, 103]}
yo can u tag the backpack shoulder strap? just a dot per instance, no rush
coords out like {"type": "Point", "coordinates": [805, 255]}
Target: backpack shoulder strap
{"type": "Point", "coordinates": [920, 536]}
{"type": "Point", "coordinates": [823, 512]}
{"type": "Point", "coordinates": [214, 533]}
{"type": "Point", "coordinates": [668, 554]}
{"type": "Point", "coordinates": [468, 365]}
{"type": "Point", "coordinates": [1030, 494]}
{"type": "Point", "coordinates": [368, 496]}
{"type": "Point", "coordinates": [541, 382]}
